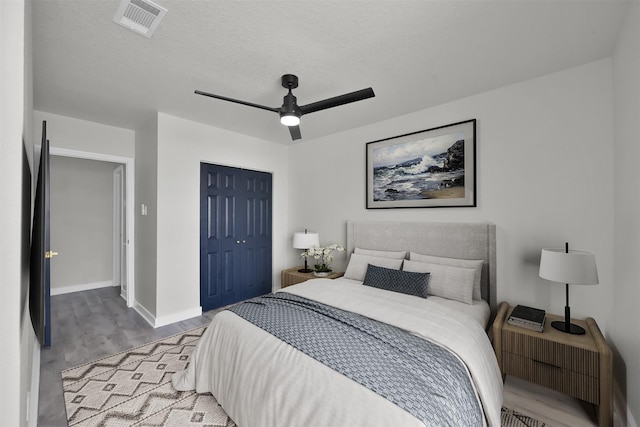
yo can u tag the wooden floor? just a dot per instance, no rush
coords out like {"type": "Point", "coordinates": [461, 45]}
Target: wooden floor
{"type": "Point", "coordinates": [551, 407]}
{"type": "Point", "coordinates": [86, 326]}
{"type": "Point", "coordinates": [93, 324]}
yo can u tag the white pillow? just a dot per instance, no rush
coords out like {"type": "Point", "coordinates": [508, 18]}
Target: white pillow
{"type": "Point", "coordinates": [455, 262]}
{"type": "Point", "coordinates": [382, 254]}
{"type": "Point", "coordinates": [357, 268]}
{"type": "Point", "coordinates": [446, 281]}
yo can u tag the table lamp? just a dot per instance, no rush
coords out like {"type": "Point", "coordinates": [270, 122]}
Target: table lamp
{"type": "Point", "coordinates": [568, 267]}
{"type": "Point", "coordinates": [305, 240]}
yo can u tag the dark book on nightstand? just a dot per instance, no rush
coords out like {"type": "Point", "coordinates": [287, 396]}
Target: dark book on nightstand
{"type": "Point", "coordinates": [527, 317]}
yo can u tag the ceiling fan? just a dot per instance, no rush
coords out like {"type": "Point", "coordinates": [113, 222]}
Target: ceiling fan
{"type": "Point", "coordinates": [290, 112]}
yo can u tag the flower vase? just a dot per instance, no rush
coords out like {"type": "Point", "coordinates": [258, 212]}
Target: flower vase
{"type": "Point", "coordinates": [322, 273]}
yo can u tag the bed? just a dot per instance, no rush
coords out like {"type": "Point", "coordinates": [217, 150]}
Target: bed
{"type": "Point", "coordinates": [265, 379]}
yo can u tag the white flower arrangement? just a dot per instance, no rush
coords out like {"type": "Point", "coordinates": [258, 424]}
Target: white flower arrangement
{"type": "Point", "coordinates": [323, 256]}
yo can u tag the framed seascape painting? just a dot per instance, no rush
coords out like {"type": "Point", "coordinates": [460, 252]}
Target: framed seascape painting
{"type": "Point", "coordinates": [425, 169]}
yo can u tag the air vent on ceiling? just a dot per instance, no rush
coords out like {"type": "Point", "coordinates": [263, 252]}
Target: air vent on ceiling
{"type": "Point", "coordinates": [141, 16]}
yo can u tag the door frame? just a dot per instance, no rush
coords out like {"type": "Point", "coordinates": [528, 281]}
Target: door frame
{"type": "Point", "coordinates": [119, 226]}
{"type": "Point", "coordinates": [129, 175]}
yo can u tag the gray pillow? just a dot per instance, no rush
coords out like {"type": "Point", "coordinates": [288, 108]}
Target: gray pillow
{"type": "Point", "coordinates": [404, 282]}
{"type": "Point", "coordinates": [465, 263]}
{"type": "Point", "coordinates": [446, 281]}
{"type": "Point", "coordinates": [382, 254]}
{"type": "Point", "coordinates": [357, 267]}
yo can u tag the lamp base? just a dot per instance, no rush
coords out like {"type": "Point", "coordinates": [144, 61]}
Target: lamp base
{"type": "Point", "coordinates": [573, 329]}
{"type": "Point", "coordinates": [305, 270]}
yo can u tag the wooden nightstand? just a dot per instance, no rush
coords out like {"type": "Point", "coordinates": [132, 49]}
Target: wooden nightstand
{"type": "Point", "coordinates": [578, 365]}
{"type": "Point", "coordinates": [291, 276]}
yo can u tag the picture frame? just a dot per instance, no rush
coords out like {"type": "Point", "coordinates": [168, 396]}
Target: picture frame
{"type": "Point", "coordinates": [425, 169]}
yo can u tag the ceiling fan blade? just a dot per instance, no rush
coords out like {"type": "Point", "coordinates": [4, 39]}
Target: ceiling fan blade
{"type": "Point", "coordinates": [347, 98]}
{"type": "Point", "coordinates": [237, 101]}
{"type": "Point", "coordinates": [295, 132]}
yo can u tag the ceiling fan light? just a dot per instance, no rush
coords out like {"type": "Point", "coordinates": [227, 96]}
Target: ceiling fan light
{"type": "Point", "coordinates": [290, 119]}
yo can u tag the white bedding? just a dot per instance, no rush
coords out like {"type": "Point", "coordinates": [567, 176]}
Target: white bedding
{"type": "Point", "coordinates": [478, 309]}
{"type": "Point", "coordinates": [261, 381]}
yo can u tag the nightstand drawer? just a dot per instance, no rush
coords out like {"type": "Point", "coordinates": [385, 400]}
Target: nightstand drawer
{"type": "Point", "coordinates": [555, 354]}
{"type": "Point", "coordinates": [578, 385]}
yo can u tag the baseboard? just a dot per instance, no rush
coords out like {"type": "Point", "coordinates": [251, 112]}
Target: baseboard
{"type": "Point", "coordinates": [82, 287]}
{"type": "Point", "coordinates": [621, 409]}
{"type": "Point", "coordinates": [157, 322]}
{"type": "Point", "coordinates": [34, 392]}
{"type": "Point", "coordinates": [178, 317]}
{"type": "Point", "coordinates": [146, 314]}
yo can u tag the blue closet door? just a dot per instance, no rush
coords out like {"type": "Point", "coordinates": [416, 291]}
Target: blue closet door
{"type": "Point", "coordinates": [235, 235]}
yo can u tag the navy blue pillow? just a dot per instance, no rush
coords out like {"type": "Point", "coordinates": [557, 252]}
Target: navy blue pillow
{"type": "Point", "coordinates": [405, 282]}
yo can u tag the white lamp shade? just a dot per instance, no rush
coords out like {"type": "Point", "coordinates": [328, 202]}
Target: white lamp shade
{"type": "Point", "coordinates": [304, 240]}
{"type": "Point", "coordinates": [574, 267]}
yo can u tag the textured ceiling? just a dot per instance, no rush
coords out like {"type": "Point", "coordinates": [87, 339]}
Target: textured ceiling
{"type": "Point", "coordinates": [415, 54]}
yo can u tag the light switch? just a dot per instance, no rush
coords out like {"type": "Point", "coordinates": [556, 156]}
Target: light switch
{"type": "Point", "coordinates": [144, 209]}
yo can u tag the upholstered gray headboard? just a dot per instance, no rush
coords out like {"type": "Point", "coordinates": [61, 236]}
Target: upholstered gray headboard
{"type": "Point", "coordinates": [453, 240]}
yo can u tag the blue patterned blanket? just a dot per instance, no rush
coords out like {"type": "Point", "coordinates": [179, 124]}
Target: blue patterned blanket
{"type": "Point", "coordinates": [419, 376]}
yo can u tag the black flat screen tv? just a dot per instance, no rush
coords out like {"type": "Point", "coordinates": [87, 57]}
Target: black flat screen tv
{"type": "Point", "coordinates": [39, 293]}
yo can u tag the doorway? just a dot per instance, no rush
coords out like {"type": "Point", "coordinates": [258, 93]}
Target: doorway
{"type": "Point", "coordinates": [235, 235]}
{"type": "Point", "coordinates": [124, 275]}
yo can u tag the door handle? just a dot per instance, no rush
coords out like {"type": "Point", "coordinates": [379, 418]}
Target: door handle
{"type": "Point", "coordinates": [50, 254]}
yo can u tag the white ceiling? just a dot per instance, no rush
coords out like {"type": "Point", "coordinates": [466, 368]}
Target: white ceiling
{"type": "Point", "coordinates": [414, 54]}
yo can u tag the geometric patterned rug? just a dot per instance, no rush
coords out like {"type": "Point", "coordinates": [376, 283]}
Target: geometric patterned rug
{"type": "Point", "coordinates": [133, 388]}
{"type": "Point", "coordinates": [510, 418]}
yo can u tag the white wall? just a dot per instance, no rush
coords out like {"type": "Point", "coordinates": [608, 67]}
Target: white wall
{"type": "Point", "coordinates": [16, 334]}
{"type": "Point", "coordinates": [81, 135]}
{"type": "Point", "coordinates": [626, 294]}
{"type": "Point", "coordinates": [544, 176]}
{"type": "Point", "coordinates": [182, 146]}
{"type": "Point", "coordinates": [146, 231]}
{"type": "Point", "coordinates": [30, 348]}
{"type": "Point", "coordinates": [81, 223]}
